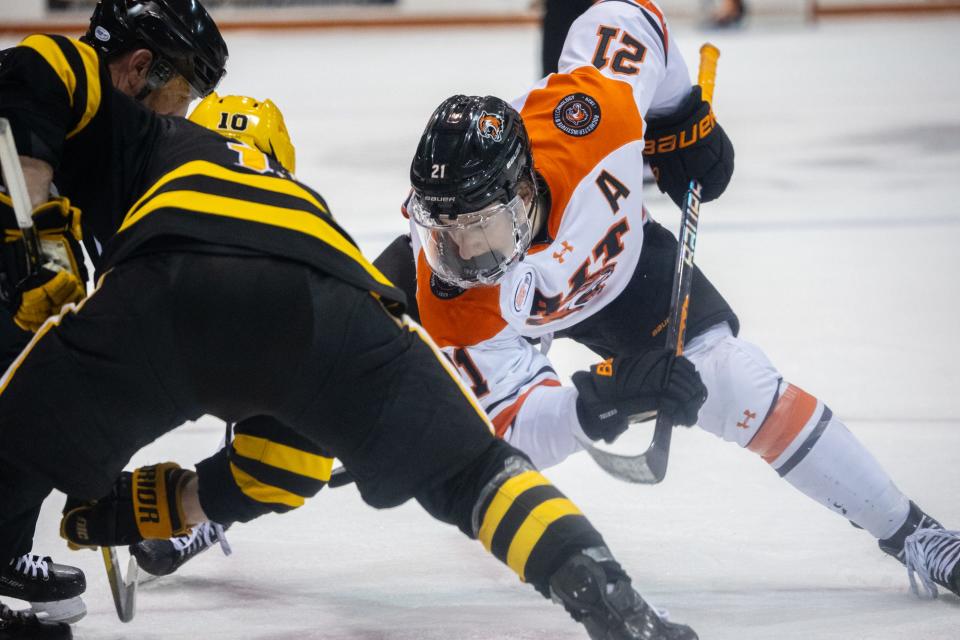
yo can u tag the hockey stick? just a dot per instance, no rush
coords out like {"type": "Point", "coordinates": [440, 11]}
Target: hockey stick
{"type": "Point", "coordinates": [124, 590]}
{"type": "Point", "coordinates": [650, 467]}
{"type": "Point", "coordinates": [17, 188]}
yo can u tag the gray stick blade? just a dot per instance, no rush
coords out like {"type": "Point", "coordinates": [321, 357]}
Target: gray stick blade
{"type": "Point", "coordinates": [633, 469]}
{"type": "Point", "coordinates": [124, 592]}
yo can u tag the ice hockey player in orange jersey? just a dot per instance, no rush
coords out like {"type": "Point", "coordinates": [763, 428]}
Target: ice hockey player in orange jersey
{"type": "Point", "coordinates": [528, 224]}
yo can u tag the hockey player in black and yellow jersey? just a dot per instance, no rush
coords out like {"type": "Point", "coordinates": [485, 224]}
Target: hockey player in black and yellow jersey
{"type": "Point", "coordinates": [264, 467]}
{"type": "Point", "coordinates": [226, 288]}
{"type": "Point", "coordinates": [164, 53]}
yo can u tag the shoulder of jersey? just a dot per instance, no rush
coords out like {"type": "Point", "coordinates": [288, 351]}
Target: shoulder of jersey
{"type": "Point", "coordinates": [574, 121]}
{"type": "Point", "coordinates": [621, 15]}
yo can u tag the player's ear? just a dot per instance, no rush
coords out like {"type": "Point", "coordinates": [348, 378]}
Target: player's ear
{"type": "Point", "coordinates": [139, 64]}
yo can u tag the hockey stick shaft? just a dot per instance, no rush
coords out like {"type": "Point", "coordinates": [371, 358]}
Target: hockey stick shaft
{"type": "Point", "coordinates": [19, 195]}
{"type": "Point", "coordinates": [650, 467]}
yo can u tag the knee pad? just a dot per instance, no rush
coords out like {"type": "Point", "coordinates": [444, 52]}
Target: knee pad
{"type": "Point", "coordinates": [743, 385]}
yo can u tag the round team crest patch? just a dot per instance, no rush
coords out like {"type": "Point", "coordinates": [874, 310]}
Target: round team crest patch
{"type": "Point", "coordinates": [444, 290]}
{"type": "Point", "coordinates": [577, 115]}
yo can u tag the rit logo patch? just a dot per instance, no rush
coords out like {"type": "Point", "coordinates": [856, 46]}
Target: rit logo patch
{"type": "Point", "coordinates": [558, 256]}
{"type": "Point", "coordinates": [748, 416]}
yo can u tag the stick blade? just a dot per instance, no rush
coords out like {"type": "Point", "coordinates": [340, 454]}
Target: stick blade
{"type": "Point", "coordinates": [124, 591]}
{"type": "Point", "coordinates": [650, 467]}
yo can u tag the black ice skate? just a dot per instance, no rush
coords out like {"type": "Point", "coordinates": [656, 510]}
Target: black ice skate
{"type": "Point", "coordinates": [53, 590]}
{"type": "Point", "coordinates": [594, 590]}
{"type": "Point", "coordinates": [23, 625]}
{"type": "Point", "coordinates": [163, 557]}
{"type": "Point", "coordinates": [930, 553]}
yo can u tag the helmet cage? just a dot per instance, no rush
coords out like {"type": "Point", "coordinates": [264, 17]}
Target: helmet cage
{"type": "Point", "coordinates": [476, 248]}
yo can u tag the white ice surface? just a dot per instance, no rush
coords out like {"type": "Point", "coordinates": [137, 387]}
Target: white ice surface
{"type": "Point", "coordinates": [837, 245]}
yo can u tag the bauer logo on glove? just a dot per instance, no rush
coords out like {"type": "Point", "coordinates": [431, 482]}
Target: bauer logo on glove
{"type": "Point", "coordinates": [688, 145]}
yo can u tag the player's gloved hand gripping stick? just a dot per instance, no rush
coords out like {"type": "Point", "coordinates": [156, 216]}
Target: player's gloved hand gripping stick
{"type": "Point", "coordinates": [41, 263]}
{"type": "Point", "coordinates": [650, 467]}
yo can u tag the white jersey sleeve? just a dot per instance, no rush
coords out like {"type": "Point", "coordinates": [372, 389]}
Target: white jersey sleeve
{"type": "Point", "coordinates": [521, 393]}
{"type": "Point", "coordinates": [630, 41]}
{"type": "Point", "coordinates": [501, 372]}
{"type": "Point", "coordinates": [586, 127]}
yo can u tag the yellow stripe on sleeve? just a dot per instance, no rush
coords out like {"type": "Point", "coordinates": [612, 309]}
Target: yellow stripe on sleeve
{"type": "Point", "coordinates": [501, 503]}
{"type": "Point", "coordinates": [50, 51]}
{"type": "Point", "coordinates": [91, 64]}
{"type": "Point", "coordinates": [533, 528]}
{"type": "Point", "coordinates": [261, 492]}
{"type": "Point", "coordinates": [283, 457]}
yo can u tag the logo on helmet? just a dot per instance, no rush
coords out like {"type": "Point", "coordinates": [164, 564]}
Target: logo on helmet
{"type": "Point", "coordinates": [101, 34]}
{"type": "Point", "coordinates": [490, 126]}
{"type": "Point", "coordinates": [577, 115]}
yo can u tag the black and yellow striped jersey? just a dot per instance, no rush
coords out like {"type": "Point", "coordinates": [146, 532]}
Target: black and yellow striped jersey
{"type": "Point", "coordinates": [140, 178]}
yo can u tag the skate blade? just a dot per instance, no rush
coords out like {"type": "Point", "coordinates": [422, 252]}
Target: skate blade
{"type": "Point", "coordinates": [68, 611]}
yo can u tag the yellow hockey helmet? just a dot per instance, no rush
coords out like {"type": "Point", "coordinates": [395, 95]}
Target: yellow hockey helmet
{"type": "Point", "coordinates": [254, 122]}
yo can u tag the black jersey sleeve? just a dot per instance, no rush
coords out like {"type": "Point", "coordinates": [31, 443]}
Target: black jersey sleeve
{"type": "Point", "coordinates": [51, 89]}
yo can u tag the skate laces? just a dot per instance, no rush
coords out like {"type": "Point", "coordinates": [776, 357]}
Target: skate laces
{"type": "Point", "coordinates": [200, 537]}
{"type": "Point", "coordinates": [29, 564]}
{"type": "Point", "coordinates": [932, 554]}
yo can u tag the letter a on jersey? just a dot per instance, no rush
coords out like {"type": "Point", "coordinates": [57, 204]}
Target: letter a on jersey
{"type": "Point", "coordinates": [612, 189]}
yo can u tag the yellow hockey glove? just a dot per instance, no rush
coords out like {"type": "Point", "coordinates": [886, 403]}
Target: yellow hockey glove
{"type": "Point", "coordinates": [34, 297]}
{"type": "Point", "coordinates": [142, 505]}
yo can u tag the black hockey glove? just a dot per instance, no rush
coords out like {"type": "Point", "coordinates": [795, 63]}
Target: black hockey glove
{"type": "Point", "coordinates": [34, 297]}
{"type": "Point", "coordinates": [142, 505]}
{"type": "Point", "coordinates": [686, 145]}
{"type": "Point", "coordinates": [630, 389]}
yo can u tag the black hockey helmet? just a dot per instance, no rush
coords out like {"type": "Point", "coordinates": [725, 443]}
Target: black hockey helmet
{"type": "Point", "coordinates": [474, 190]}
{"type": "Point", "coordinates": [180, 33]}
{"type": "Point", "coordinates": [474, 151]}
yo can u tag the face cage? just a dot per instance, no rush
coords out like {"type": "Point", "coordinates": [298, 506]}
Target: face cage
{"type": "Point", "coordinates": [495, 238]}
{"type": "Point", "coordinates": [162, 71]}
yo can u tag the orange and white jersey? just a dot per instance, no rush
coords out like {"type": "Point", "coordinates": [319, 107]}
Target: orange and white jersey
{"type": "Point", "coordinates": [513, 381]}
{"type": "Point", "coordinates": [586, 128]}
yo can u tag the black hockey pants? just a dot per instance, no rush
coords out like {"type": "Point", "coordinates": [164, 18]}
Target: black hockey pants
{"type": "Point", "coordinates": [169, 337]}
